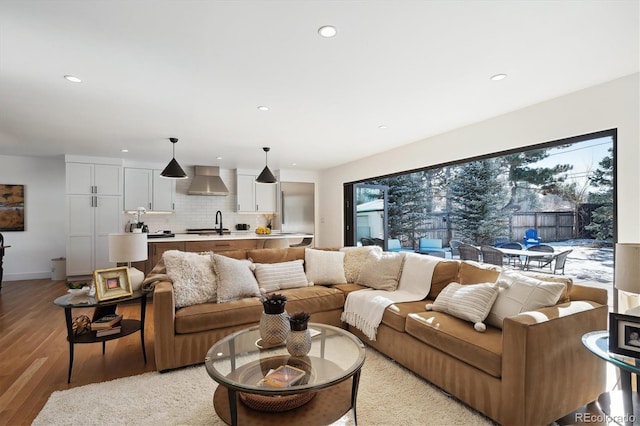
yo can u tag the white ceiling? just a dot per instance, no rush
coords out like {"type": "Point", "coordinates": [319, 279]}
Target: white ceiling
{"type": "Point", "coordinates": [198, 70]}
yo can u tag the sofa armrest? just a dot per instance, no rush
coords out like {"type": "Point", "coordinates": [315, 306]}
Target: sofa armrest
{"type": "Point", "coordinates": [583, 292]}
{"type": "Point", "coordinates": [546, 370]}
{"type": "Point", "coordinates": [164, 315]}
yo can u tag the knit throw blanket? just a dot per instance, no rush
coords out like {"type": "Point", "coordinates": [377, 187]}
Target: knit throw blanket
{"type": "Point", "coordinates": [364, 309]}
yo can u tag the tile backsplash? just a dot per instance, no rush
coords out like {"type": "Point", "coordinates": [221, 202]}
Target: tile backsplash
{"type": "Point", "coordinates": [199, 211]}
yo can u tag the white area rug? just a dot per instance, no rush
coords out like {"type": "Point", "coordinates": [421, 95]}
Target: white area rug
{"type": "Point", "coordinates": [388, 395]}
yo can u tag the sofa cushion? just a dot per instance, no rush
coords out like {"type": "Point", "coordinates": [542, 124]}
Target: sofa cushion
{"type": "Point", "coordinates": [275, 255]}
{"type": "Point", "coordinates": [471, 272]}
{"type": "Point", "coordinates": [453, 336]}
{"type": "Point", "coordinates": [235, 278]}
{"type": "Point", "coordinates": [445, 272]}
{"type": "Point", "coordinates": [313, 299]}
{"type": "Point", "coordinates": [468, 302]}
{"type": "Point", "coordinates": [355, 258]}
{"type": "Point", "coordinates": [519, 293]}
{"type": "Point", "coordinates": [194, 280]}
{"type": "Point", "coordinates": [324, 266]}
{"type": "Point", "coordinates": [395, 315]}
{"type": "Point", "coordinates": [276, 276]}
{"type": "Point", "coordinates": [381, 271]}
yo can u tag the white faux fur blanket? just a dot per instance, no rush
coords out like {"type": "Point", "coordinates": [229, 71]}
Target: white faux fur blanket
{"type": "Point", "coordinates": [364, 309]}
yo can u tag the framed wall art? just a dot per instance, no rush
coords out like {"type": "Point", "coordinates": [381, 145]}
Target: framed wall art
{"type": "Point", "coordinates": [112, 283]}
{"type": "Point", "coordinates": [11, 207]}
{"type": "Point", "coordinates": [624, 334]}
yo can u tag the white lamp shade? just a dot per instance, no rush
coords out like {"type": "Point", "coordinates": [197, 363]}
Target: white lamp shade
{"type": "Point", "coordinates": [127, 247]}
{"type": "Point", "coordinates": [627, 267]}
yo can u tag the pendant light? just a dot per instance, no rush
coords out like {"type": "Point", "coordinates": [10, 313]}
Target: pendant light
{"type": "Point", "coordinates": [266, 176]}
{"type": "Point", "coordinates": [173, 169]}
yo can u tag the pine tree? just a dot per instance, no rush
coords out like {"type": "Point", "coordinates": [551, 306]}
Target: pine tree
{"type": "Point", "coordinates": [477, 196]}
{"type": "Point", "coordinates": [602, 217]}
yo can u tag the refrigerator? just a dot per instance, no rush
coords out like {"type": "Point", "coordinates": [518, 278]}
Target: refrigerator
{"type": "Point", "coordinates": [296, 211]}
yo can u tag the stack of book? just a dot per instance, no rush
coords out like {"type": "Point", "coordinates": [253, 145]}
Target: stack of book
{"type": "Point", "coordinates": [107, 324]}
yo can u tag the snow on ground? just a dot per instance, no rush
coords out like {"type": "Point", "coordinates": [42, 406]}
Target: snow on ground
{"type": "Point", "coordinates": [589, 261]}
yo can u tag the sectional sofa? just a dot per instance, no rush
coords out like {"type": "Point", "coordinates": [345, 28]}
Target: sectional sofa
{"type": "Point", "coordinates": [531, 371]}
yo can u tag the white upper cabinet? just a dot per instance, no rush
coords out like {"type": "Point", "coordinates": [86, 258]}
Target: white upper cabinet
{"type": "Point", "coordinates": [255, 197]}
{"type": "Point", "coordinates": [145, 188]}
{"type": "Point", "coordinates": [97, 179]}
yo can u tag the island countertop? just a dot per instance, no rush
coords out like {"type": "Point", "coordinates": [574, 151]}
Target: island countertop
{"type": "Point", "coordinates": [248, 235]}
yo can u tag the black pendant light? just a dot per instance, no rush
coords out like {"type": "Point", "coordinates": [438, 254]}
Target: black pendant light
{"type": "Point", "coordinates": [173, 169]}
{"type": "Point", "coordinates": [266, 176]}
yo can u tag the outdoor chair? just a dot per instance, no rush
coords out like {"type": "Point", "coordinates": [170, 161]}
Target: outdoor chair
{"type": "Point", "coordinates": [512, 258]}
{"type": "Point", "coordinates": [454, 247]}
{"type": "Point", "coordinates": [393, 244]}
{"type": "Point", "coordinates": [367, 241]}
{"type": "Point", "coordinates": [531, 237]}
{"type": "Point", "coordinates": [560, 261]}
{"type": "Point", "coordinates": [492, 255]}
{"type": "Point", "coordinates": [542, 261]}
{"type": "Point", "coordinates": [469, 252]}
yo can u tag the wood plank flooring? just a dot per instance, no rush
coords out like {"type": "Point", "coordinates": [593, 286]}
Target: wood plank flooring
{"type": "Point", "coordinates": [34, 353]}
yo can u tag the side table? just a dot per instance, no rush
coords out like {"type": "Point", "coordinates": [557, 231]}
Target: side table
{"type": "Point", "coordinates": [129, 326]}
{"type": "Point", "coordinates": [597, 342]}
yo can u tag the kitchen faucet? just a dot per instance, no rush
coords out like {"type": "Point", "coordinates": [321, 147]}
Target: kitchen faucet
{"type": "Point", "coordinates": [220, 214]}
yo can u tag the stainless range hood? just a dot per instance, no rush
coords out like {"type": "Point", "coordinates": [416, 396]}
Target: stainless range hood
{"type": "Point", "coordinates": [207, 181]}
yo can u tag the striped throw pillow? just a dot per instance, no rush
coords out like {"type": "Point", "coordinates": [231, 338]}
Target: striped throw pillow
{"type": "Point", "coordinates": [280, 276]}
{"type": "Point", "coordinates": [471, 302]}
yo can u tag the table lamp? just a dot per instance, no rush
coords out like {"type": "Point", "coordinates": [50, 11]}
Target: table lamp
{"type": "Point", "coordinates": [129, 247]}
{"type": "Point", "coordinates": [627, 271]}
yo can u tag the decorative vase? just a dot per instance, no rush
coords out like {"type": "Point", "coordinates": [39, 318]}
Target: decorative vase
{"type": "Point", "coordinates": [274, 328]}
{"type": "Point", "coordinates": [299, 340]}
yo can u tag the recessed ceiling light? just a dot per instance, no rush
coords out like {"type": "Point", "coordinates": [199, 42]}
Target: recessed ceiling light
{"type": "Point", "coordinates": [124, 150]}
{"type": "Point", "coordinates": [382, 126]}
{"type": "Point", "coordinates": [294, 164]}
{"type": "Point", "coordinates": [218, 158]}
{"type": "Point", "coordinates": [263, 108]}
{"type": "Point", "coordinates": [73, 78]}
{"type": "Point", "coordinates": [498, 77]}
{"type": "Point", "coordinates": [327, 31]}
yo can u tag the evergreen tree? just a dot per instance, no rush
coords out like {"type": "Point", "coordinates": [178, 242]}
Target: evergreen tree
{"type": "Point", "coordinates": [477, 196]}
{"type": "Point", "coordinates": [524, 179]}
{"type": "Point", "coordinates": [407, 203]}
{"type": "Point", "coordinates": [602, 217]}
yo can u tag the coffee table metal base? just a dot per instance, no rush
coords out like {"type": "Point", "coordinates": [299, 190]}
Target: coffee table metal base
{"type": "Point", "coordinates": [328, 406]}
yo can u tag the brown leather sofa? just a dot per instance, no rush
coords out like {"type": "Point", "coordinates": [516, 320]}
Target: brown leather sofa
{"type": "Point", "coordinates": [532, 372]}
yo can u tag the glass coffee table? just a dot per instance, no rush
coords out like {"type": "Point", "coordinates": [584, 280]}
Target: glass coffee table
{"type": "Point", "coordinates": [239, 362]}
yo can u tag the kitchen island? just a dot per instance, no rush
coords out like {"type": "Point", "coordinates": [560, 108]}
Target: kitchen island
{"type": "Point", "coordinates": [216, 243]}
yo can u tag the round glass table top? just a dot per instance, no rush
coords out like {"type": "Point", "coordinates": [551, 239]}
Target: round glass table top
{"type": "Point", "coordinates": [240, 362]}
{"type": "Point", "coordinates": [86, 301]}
{"type": "Point", "coordinates": [598, 343]}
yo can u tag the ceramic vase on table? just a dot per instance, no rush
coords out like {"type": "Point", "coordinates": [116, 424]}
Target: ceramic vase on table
{"type": "Point", "coordinates": [299, 340]}
{"type": "Point", "coordinates": [274, 321]}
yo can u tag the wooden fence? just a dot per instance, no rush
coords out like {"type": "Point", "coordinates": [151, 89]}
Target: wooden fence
{"type": "Point", "coordinates": [551, 226]}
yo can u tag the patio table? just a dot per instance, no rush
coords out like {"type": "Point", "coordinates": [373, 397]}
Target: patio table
{"type": "Point", "coordinates": [527, 254]}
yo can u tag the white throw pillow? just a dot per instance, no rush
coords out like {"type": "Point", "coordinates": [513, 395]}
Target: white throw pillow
{"type": "Point", "coordinates": [324, 266]}
{"type": "Point", "coordinates": [194, 280]}
{"type": "Point", "coordinates": [235, 279]}
{"type": "Point", "coordinates": [381, 271]}
{"type": "Point", "coordinates": [471, 302]}
{"type": "Point", "coordinates": [355, 258]}
{"type": "Point", "coordinates": [520, 293]}
{"type": "Point", "coordinates": [280, 276]}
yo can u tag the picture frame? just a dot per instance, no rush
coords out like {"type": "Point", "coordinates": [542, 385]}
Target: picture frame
{"type": "Point", "coordinates": [624, 334]}
{"type": "Point", "coordinates": [112, 283]}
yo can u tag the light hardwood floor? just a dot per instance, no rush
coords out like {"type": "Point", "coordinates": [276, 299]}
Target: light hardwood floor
{"type": "Point", "coordinates": [34, 353]}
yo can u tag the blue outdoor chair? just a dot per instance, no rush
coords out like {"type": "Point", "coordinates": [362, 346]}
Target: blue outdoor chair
{"type": "Point", "coordinates": [531, 238]}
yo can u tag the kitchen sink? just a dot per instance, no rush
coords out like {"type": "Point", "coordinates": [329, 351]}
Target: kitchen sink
{"type": "Point", "coordinates": [208, 231]}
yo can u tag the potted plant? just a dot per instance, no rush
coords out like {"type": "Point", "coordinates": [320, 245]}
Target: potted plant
{"type": "Point", "coordinates": [299, 340]}
{"type": "Point", "coordinates": [274, 322]}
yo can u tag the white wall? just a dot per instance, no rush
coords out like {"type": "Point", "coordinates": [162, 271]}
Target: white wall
{"type": "Point", "coordinates": [611, 105]}
{"type": "Point", "coordinates": [44, 238]}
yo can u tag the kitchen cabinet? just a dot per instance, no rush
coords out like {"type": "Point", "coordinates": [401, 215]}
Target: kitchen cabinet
{"type": "Point", "coordinates": [255, 197]}
{"type": "Point", "coordinates": [94, 210]}
{"type": "Point", "coordinates": [219, 245]}
{"type": "Point", "coordinates": [157, 249]}
{"type": "Point", "coordinates": [146, 188]}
